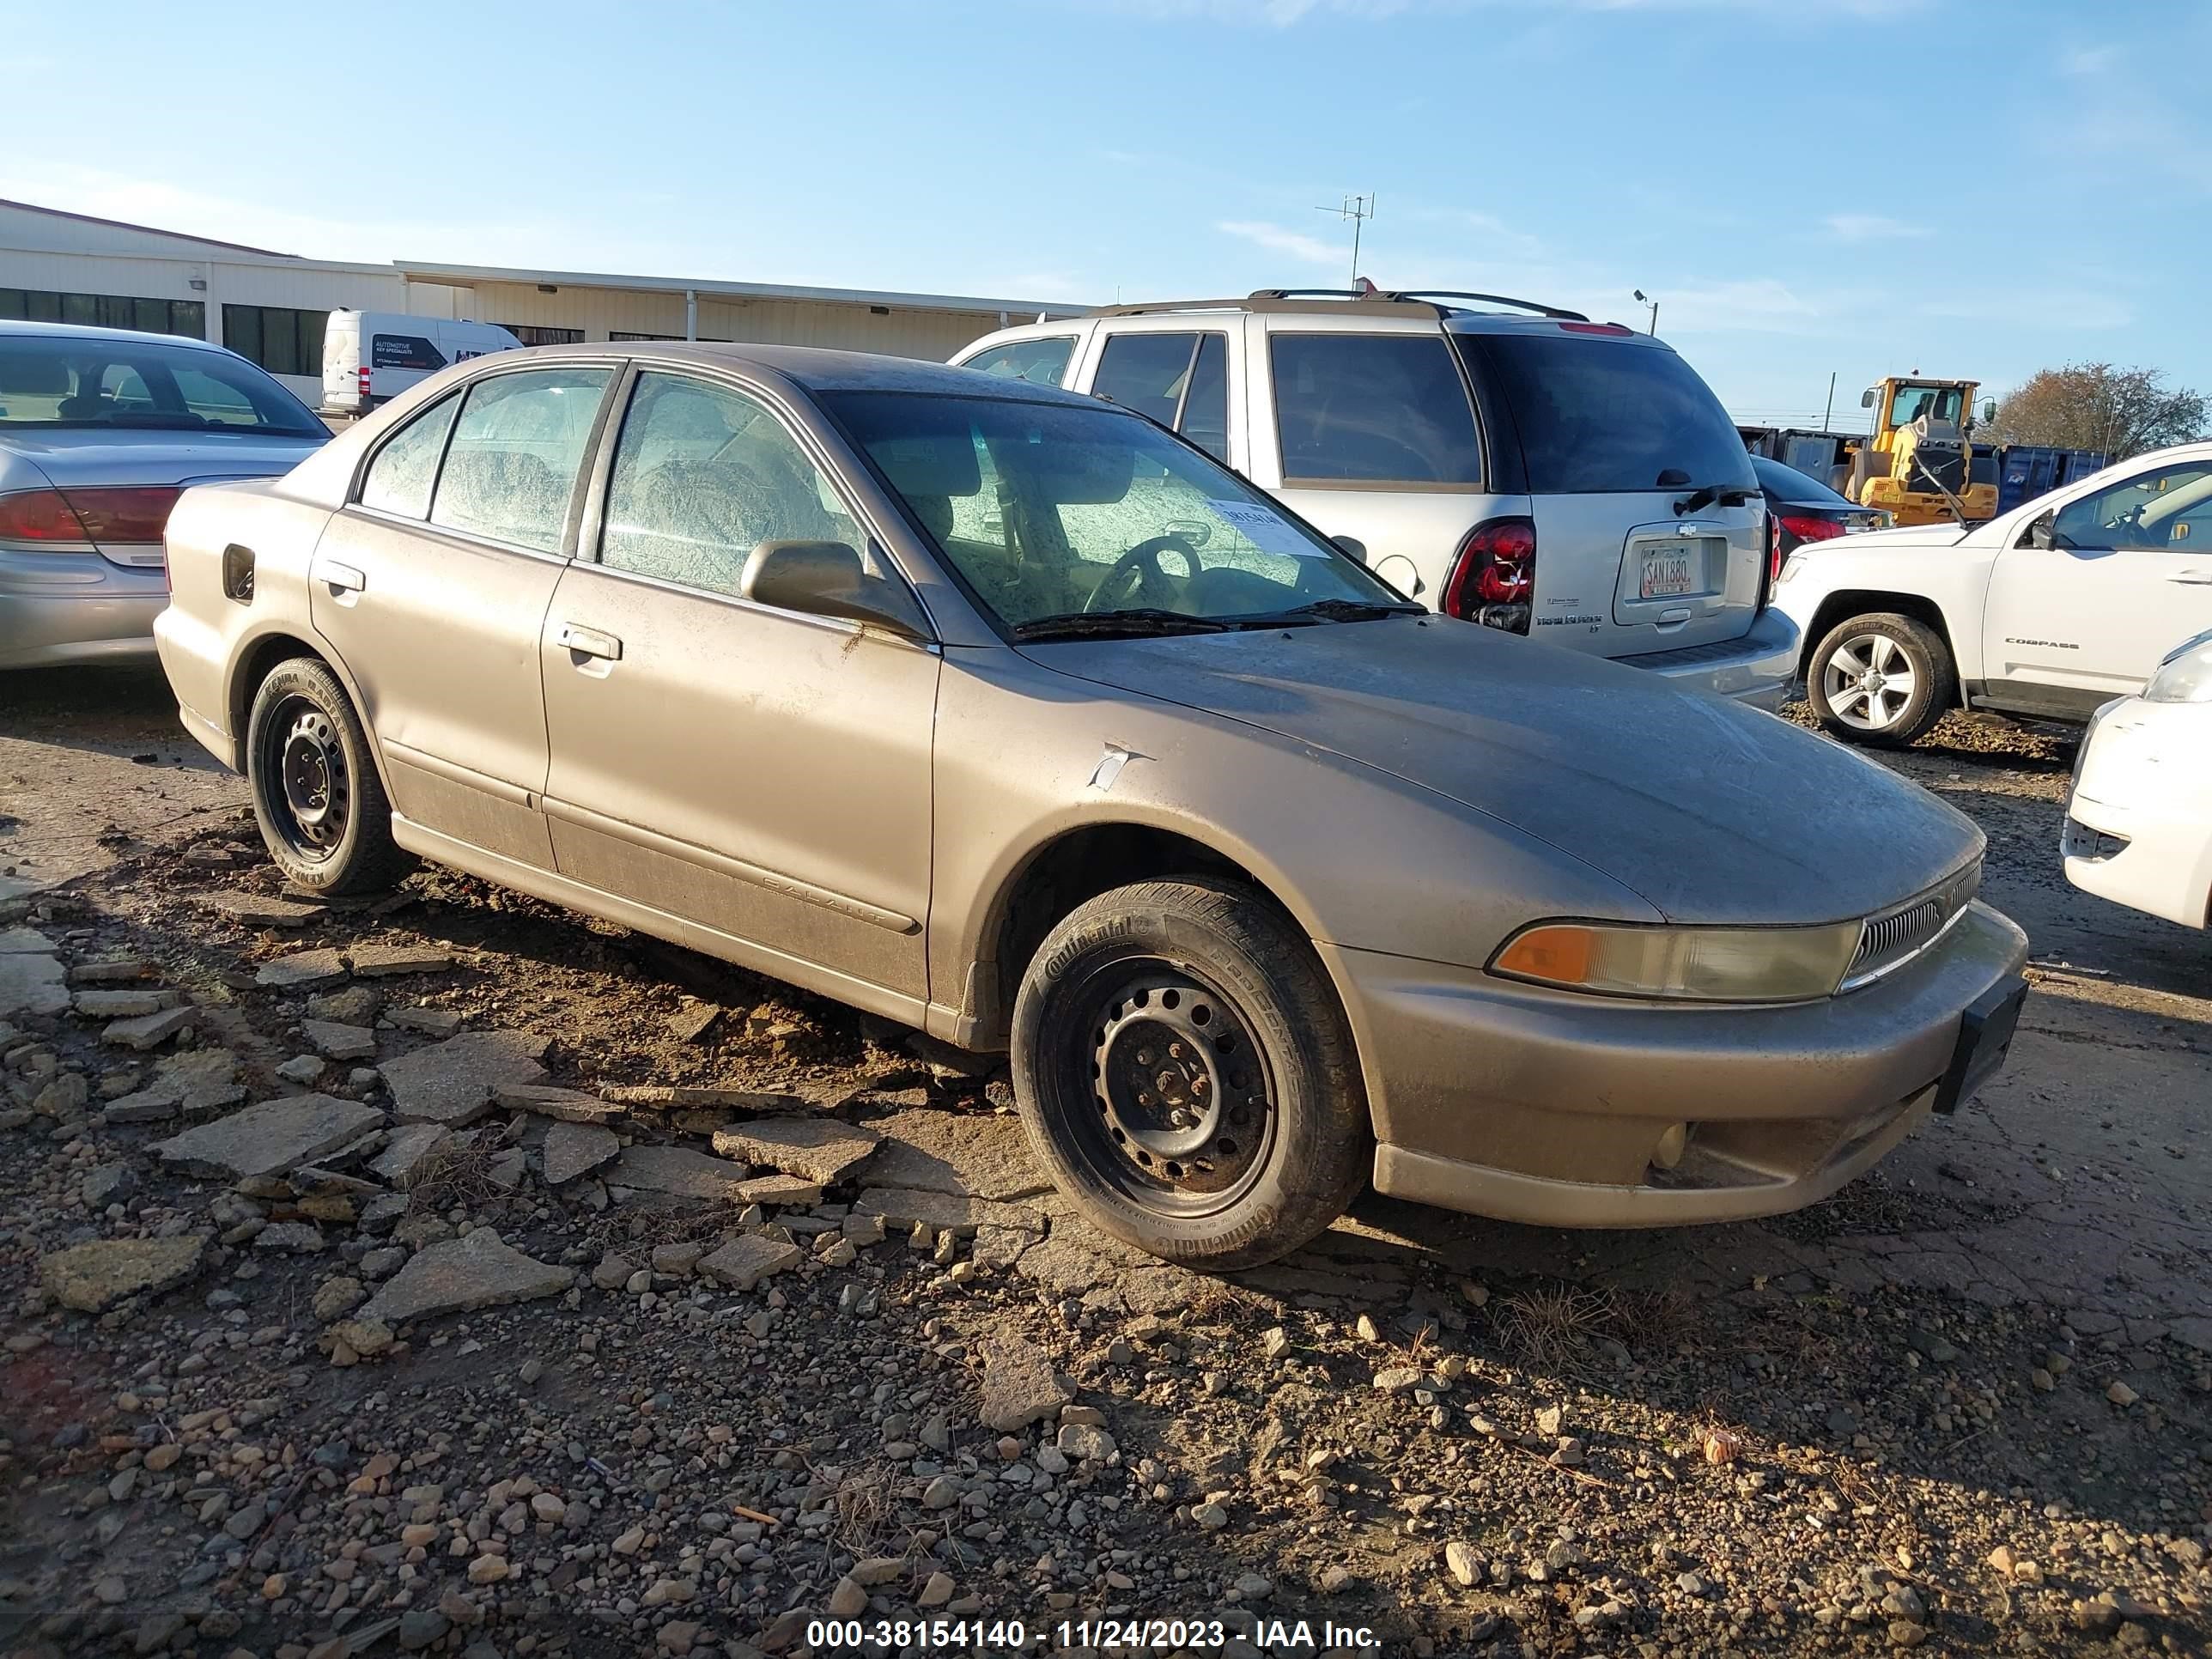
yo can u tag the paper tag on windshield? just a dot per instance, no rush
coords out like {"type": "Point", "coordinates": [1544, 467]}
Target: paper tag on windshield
{"type": "Point", "coordinates": [1266, 529]}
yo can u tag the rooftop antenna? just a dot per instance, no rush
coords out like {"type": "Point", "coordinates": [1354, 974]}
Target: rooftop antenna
{"type": "Point", "coordinates": [1360, 210]}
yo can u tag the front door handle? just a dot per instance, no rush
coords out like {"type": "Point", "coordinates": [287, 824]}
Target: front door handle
{"type": "Point", "coordinates": [589, 642]}
{"type": "Point", "coordinates": [342, 577]}
{"type": "Point", "coordinates": [2193, 578]}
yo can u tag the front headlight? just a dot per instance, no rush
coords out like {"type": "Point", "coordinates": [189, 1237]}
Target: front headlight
{"type": "Point", "coordinates": [1704, 964]}
{"type": "Point", "coordinates": [2186, 673]}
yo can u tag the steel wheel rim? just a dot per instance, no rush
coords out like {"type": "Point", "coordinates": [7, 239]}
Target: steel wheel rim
{"type": "Point", "coordinates": [1167, 1093]}
{"type": "Point", "coordinates": [1868, 680]}
{"type": "Point", "coordinates": [309, 790]}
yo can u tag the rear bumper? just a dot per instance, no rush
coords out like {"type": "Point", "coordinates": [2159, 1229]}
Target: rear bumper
{"type": "Point", "coordinates": [1756, 668]}
{"type": "Point", "coordinates": [58, 608]}
{"type": "Point", "coordinates": [2139, 824]}
{"type": "Point", "coordinates": [1545, 1107]}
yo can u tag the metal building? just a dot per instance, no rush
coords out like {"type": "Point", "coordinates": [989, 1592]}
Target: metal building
{"type": "Point", "coordinates": [70, 267]}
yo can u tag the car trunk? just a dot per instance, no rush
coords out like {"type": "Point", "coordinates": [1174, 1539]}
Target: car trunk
{"type": "Point", "coordinates": [121, 482]}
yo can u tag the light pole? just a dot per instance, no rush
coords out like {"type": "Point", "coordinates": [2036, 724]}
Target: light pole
{"type": "Point", "coordinates": [1654, 304]}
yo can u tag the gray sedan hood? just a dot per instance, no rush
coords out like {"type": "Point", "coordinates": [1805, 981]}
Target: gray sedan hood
{"type": "Point", "coordinates": [1710, 811]}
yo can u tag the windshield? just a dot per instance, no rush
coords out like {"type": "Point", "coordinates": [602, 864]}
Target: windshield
{"type": "Point", "coordinates": [1050, 510]}
{"type": "Point", "coordinates": [1940, 403]}
{"type": "Point", "coordinates": [1605, 416]}
{"type": "Point", "coordinates": [83, 380]}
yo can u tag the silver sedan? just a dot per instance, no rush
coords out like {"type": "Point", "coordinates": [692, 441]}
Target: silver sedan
{"type": "Point", "coordinates": [1007, 713]}
{"type": "Point", "coordinates": [100, 430]}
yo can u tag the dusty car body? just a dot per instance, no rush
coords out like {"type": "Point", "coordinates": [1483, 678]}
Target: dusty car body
{"type": "Point", "coordinates": [1266, 903]}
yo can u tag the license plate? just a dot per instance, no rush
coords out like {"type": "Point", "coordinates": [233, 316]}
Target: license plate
{"type": "Point", "coordinates": [1984, 1038]}
{"type": "Point", "coordinates": [1670, 569]}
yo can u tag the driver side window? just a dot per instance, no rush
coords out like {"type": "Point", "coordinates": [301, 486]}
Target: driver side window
{"type": "Point", "coordinates": [2167, 510]}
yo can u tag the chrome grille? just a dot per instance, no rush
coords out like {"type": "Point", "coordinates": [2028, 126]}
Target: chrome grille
{"type": "Point", "coordinates": [1894, 937]}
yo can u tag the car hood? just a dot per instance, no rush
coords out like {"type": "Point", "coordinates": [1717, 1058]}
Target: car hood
{"type": "Point", "coordinates": [1710, 811]}
{"type": "Point", "coordinates": [89, 455]}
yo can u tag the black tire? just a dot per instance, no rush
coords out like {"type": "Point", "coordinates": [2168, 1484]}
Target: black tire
{"type": "Point", "coordinates": [317, 794]}
{"type": "Point", "coordinates": [1252, 1134]}
{"type": "Point", "coordinates": [1866, 712]}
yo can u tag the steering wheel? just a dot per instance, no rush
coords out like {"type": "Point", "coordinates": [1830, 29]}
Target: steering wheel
{"type": "Point", "coordinates": [1141, 571]}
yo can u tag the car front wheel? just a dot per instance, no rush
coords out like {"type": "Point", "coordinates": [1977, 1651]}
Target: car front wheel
{"type": "Point", "coordinates": [316, 792]}
{"type": "Point", "coordinates": [1187, 1075]}
{"type": "Point", "coordinates": [1883, 679]}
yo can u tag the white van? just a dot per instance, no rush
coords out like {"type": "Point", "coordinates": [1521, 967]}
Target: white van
{"type": "Point", "coordinates": [370, 357]}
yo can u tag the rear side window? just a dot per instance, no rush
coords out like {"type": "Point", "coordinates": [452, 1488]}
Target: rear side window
{"type": "Point", "coordinates": [512, 464]}
{"type": "Point", "coordinates": [1178, 379]}
{"type": "Point", "coordinates": [1041, 362]}
{"type": "Point", "coordinates": [1372, 409]}
{"type": "Point", "coordinates": [1601, 416]}
{"type": "Point", "coordinates": [404, 352]}
{"type": "Point", "coordinates": [400, 477]}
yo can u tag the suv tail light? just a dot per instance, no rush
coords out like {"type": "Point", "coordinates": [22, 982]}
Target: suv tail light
{"type": "Point", "coordinates": [1805, 529]}
{"type": "Point", "coordinates": [1493, 578]}
{"type": "Point", "coordinates": [364, 385]}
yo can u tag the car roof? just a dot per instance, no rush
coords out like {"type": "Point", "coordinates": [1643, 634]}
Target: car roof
{"type": "Point", "coordinates": [819, 370]}
{"type": "Point", "coordinates": [1458, 311]}
{"type": "Point", "coordinates": [1800, 488]}
{"type": "Point", "coordinates": [86, 332]}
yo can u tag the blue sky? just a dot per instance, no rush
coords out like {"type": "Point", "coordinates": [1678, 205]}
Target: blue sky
{"type": "Point", "coordinates": [1864, 187]}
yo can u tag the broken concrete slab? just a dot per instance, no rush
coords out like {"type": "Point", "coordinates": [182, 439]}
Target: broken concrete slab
{"type": "Point", "coordinates": [24, 942]}
{"type": "Point", "coordinates": [145, 1032]}
{"type": "Point", "coordinates": [430, 1022]}
{"type": "Point", "coordinates": [196, 1083]}
{"type": "Point", "coordinates": [123, 1005]}
{"type": "Point", "coordinates": [571, 1149]}
{"type": "Point", "coordinates": [31, 984]}
{"type": "Point", "coordinates": [452, 1083]}
{"type": "Point", "coordinates": [93, 1278]}
{"type": "Point", "coordinates": [549, 1100]}
{"type": "Point", "coordinates": [340, 1042]}
{"type": "Point", "coordinates": [301, 967]}
{"type": "Point", "coordinates": [253, 910]}
{"type": "Point", "coordinates": [459, 1274]}
{"type": "Point", "coordinates": [379, 961]}
{"type": "Point", "coordinates": [403, 1153]}
{"type": "Point", "coordinates": [351, 1005]}
{"type": "Point", "coordinates": [820, 1149]}
{"type": "Point", "coordinates": [976, 1157]}
{"type": "Point", "coordinates": [745, 1261]}
{"type": "Point", "coordinates": [680, 1170]}
{"type": "Point", "coordinates": [272, 1138]}
{"type": "Point", "coordinates": [111, 971]}
{"type": "Point", "coordinates": [946, 1212]}
{"type": "Point", "coordinates": [1020, 1386]}
{"type": "Point", "coordinates": [675, 1098]}
{"type": "Point", "coordinates": [790, 1192]}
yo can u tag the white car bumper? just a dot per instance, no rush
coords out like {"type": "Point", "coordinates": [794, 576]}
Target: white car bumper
{"type": "Point", "coordinates": [2139, 824]}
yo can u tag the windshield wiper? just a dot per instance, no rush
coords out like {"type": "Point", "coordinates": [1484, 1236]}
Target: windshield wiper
{"type": "Point", "coordinates": [1335, 611]}
{"type": "Point", "coordinates": [1706, 495]}
{"type": "Point", "coordinates": [1141, 623]}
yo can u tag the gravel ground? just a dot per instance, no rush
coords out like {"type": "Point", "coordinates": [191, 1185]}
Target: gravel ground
{"type": "Point", "coordinates": [389, 1373]}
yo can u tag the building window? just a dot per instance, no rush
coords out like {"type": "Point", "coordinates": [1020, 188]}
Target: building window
{"type": "Point", "coordinates": [530, 334]}
{"type": "Point", "coordinates": [696, 339]}
{"type": "Point", "coordinates": [281, 340]}
{"type": "Point", "coordinates": [32, 305]}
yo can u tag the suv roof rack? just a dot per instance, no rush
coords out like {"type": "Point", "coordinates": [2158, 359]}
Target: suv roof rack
{"type": "Point", "coordinates": [1390, 302]}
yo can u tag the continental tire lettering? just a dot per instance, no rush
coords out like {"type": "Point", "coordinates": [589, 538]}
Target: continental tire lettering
{"type": "Point", "coordinates": [1116, 928]}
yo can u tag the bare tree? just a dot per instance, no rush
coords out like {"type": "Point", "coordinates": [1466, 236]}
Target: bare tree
{"type": "Point", "coordinates": [2121, 411]}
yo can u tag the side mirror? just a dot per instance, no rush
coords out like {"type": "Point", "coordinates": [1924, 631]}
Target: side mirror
{"type": "Point", "coordinates": [826, 579]}
{"type": "Point", "coordinates": [1351, 547]}
{"type": "Point", "coordinates": [1866, 399]}
{"type": "Point", "coordinates": [2039, 533]}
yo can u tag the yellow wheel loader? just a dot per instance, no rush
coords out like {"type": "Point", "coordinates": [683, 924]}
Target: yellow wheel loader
{"type": "Point", "coordinates": [1917, 466]}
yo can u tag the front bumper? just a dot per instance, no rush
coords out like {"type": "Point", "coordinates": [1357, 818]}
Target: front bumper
{"type": "Point", "coordinates": [2139, 823]}
{"type": "Point", "coordinates": [1758, 668]}
{"type": "Point", "coordinates": [1548, 1107]}
{"type": "Point", "coordinates": [58, 608]}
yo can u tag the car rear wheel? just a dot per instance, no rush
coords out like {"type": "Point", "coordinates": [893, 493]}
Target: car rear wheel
{"type": "Point", "coordinates": [316, 792]}
{"type": "Point", "coordinates": [1187, 1076]}
{"type": "Point", "coordinates": [1883, 679]}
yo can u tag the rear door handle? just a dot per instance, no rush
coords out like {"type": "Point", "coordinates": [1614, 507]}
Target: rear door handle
{"type": "Point", "coordinates": [589, 642]}
{"type": "Point", "coordinates": [2193, 578]}
{"type": "Point", "coordinates": [343, 577]}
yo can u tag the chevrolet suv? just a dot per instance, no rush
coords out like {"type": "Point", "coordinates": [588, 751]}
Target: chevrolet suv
{"type": "Point", "coordinates": [1508, 462]}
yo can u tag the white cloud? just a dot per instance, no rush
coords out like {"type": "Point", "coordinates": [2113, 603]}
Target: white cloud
{"type": "Point", "coordinates": [2088, 60]}
{"type": "Point", "coordinates": [1872, 227]}
{"type": "Point", "coordinates": [1310, 250]}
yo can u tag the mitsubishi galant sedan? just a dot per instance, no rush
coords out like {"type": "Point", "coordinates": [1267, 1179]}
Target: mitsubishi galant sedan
{"type": "Point", "coordinates": [1007, 713]}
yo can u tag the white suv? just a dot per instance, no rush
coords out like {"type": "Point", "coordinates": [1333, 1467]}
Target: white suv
{"type": "Point", "coordinates": [2046, 611]}
{"type": "Point", "coordinates": [1505, 461]}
